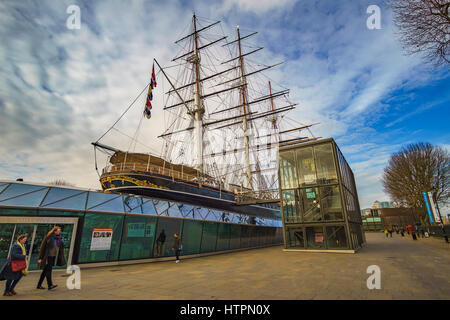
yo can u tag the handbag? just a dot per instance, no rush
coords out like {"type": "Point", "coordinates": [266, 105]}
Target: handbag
{"type": "Point", "coordinates": [18, 265]}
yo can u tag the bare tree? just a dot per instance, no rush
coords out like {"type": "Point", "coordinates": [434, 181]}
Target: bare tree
{"type": "Point", "coordinates": [424, 27]}
{"type": "Point", "coordinates": [418, 168]}
{"type": "Point", "coordinates": [60, 182]}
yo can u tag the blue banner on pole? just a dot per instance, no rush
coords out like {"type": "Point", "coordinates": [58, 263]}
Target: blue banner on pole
{"type": "Point", "coordinates": [427, 204]}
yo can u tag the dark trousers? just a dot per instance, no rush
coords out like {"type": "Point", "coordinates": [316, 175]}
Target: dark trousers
{"type": "Point", "coordinates": [177, 252]}
{"type": "Point", "coordinates": [11, 284]}
{"type": "Point", "coordinates": [47, 272]}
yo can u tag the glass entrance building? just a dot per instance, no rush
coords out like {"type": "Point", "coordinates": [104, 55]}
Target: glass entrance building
{"type": "Point", "coordinates": [107, 228]}
{"type": "Point", "coordinates": [319, 201]}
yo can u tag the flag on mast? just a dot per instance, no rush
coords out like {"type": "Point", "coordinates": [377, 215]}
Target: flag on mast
{"type": "Point", "coordinates": [148, 104]}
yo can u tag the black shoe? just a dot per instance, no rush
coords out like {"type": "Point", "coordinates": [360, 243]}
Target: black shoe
{"type": "Point", "coordinates": [40, 287]}
{"type": "Point", "coordinates": [52, 287]}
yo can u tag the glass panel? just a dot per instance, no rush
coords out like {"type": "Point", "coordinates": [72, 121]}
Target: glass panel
{"type": "Point", "coordinates": [331, 203]}
{"type": "Point", "coordinates": [56, 194]}
{"type": "Point", "coordinates": [28, 200]}
{"type": "Point", "coordinates": [138, 237]}
{"type": "Point", "coordinates": [185, 209]}
{"type": "Point", "coordinates": [254, 236]}
{"type": "Point", "coordinates": [311, 204]}
{"type": "Point", "coordinates": [3, 187]}
{"type": "Point", "coordinates": [209, 237]}
{"type": "Point", "coordinates": [235, 236]}
{"type": "Point", "coordinates": [261, 236]}
{"type": "Point", "coordinates": [225, 217]}
{"type": "Point", "coordinates": [223, 237]}
{"type": "Point", "coordinates": [168, 227]}
{"type": "Point", "coordinates": [288, 170]}
{"type": "Point", "coordinates": [6, 233]}
{"type": "Point", "coordinates": [76, 203]}
{"type": "Point", "coordinates": [290, 200]}
{"type": "Point", "coordinates": [18, 189]}
{"type": "Point", "coordinates": [133, 204]}
{"type": "Point", "coordinates": [97, 198]}
{"type": "Point", "coordinates": [295, 238]}
{"type": "Point", "coordinates": [315, 237]}
{"type": "Point", "coordinates": [336, 238]}
{"type": "Point", "coordinates": [203, 212]}
{"type": "Point", "coordinates": [174, 211]}
{"type": "Point", "coordinates": [100, 221]}
{"type": "Point", "coordinates": [161, 206]}
{"type": "Point", "coordinates": [245, 233]}
{"type": "Point", "coordinates": [115, 205]}
{"type": "Point", "coordinates": [149, 208]}
{"type": "Point", "coordinates": [214, 215]}
{"type": "Point", "coordinates": [192, 236]}
{"type": "Point", "coordinates": [326, 171]}
{"type": "Point", "coordinates": [306, 167]}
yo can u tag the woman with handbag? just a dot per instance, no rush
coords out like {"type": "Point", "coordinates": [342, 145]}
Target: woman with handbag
{"type": "Point", "coordinates": [16, 266]}
{"type": "Point", "coordinates": [50, 254]}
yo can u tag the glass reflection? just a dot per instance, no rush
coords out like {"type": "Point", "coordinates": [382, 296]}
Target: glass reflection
{"type": "Point", "coordinates": [306, 166]}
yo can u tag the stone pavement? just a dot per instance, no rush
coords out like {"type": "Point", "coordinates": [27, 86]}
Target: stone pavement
{"type": "Point", "coordinates": [409, 270]}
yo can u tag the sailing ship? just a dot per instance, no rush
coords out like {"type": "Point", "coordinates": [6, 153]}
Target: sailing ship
{"type": "Point", "coordinates": [225, 121]}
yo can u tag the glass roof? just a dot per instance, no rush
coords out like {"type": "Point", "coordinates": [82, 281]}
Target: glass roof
{"type": "Point", "coordinates": [50, 197]}
{"type": "Point", "coordinates": [76, 202]}
{"type": "Point", "coordinates": [19, 189]}
{"type": "Point", "coordinates": [30, 199]}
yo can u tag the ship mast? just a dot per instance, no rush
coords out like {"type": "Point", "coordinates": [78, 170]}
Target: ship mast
{"type": "Point", "coordinates": [199, 110]}
{"type": "Point", "coordinates": [245, 107]}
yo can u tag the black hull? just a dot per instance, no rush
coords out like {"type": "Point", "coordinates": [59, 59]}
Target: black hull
{"type": "Point", "coordinates": [147, 179]}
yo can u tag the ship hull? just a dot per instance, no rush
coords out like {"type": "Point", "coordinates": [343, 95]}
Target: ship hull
{"type": "Point", "coordinates": [166, 188]}
{"type": "Point", "coordinates": [146, 179]}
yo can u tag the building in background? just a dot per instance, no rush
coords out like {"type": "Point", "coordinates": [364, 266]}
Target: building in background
{"type": "Point", "coordinates": [383, 204]}
{"type": "Point", "coordinates": [320, 208]}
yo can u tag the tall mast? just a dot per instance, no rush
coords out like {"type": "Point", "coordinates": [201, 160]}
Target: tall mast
{"type": "Point", "coordinates": [198, 105]}
{"type": "Point", "coordinates": [274, 120]}
{"type": "Point", "coordinates": [244, 119]}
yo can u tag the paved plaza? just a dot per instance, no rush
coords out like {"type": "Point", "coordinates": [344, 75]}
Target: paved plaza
{"type": "Point", "coordinates": [409, 270]}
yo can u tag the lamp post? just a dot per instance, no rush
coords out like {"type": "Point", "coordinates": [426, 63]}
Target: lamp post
{"type": "Point", "coordinates": [434, 192]}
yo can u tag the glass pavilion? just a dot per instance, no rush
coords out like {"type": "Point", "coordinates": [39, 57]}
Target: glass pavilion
{"type": "Point", "coordinates": [319, 201]}
{"type": "Point", "coordinates": [109, 228]}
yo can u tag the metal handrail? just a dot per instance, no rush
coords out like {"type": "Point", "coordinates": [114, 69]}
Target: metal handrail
{"type": "Point", "coordinates": [158, 170]}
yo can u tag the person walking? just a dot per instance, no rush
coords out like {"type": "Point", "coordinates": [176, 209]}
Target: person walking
{"type": "Point", "coordinates": [177, 247]}
{"type": "Point", "coordinates": [422, 231]}
{"type": "Point", "coordinates": [390, 232]}
{"type": "Point", "coordinates": [19, 255]}
{"type": "Point", "coordinates": [402, 231]}
{"type": "Point", "coordinates": [386, 233]}
{"type": "Point", "coordinates": [50, 254]}
{"type": "Point", "coordinates": [160, 243]}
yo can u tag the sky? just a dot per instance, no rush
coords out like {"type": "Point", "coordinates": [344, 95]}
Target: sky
{"type": "Point", "coordinates": [61, 89]}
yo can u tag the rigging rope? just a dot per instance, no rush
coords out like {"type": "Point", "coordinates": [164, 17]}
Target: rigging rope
{"type": "Point", "coordinates": [143, 90]}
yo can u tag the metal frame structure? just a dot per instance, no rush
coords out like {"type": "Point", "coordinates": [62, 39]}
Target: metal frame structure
{"type": "Point", "coordinates": [348, 221]}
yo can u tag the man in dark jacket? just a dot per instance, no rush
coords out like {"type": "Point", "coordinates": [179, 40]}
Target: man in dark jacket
{"type": "Point", "coordinates": [50, 254]}
{"type": "Point", "coordinates": [177, 246]}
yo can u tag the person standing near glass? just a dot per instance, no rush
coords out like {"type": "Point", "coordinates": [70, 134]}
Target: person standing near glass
{"type": "Point", "coordinates": [160, 243]}
{"type": "Point", "coordinates": [12, 278]}
{"type": "Point", "coordinates": [51, 254]}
